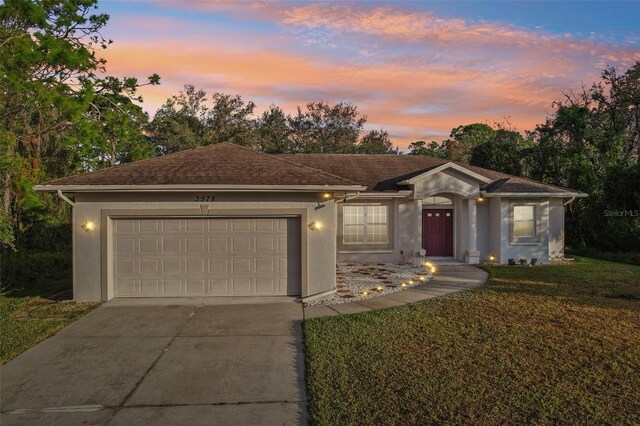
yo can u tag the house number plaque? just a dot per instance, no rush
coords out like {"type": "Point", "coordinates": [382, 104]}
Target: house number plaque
{"type": "Point", "coordinates": [205, 197]}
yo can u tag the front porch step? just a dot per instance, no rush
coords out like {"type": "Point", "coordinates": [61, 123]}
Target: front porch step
{"type": "Point", "coordinates": [443, 261]}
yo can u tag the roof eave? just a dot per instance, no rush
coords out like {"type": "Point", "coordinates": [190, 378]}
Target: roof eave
{"type": "Point", "coordinates": [206, 187]}
{"type": "Point", "coordinates": [535, 194]}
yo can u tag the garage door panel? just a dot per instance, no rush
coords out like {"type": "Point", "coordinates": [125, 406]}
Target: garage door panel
{"type": "Point", "coordinates": [171, 287]}
{"type": "Point", "coordinates": [149, 266]}
{"type": "Point", "coordinates": [172, 266]}
{"type": "Point", "coordinates": [197, 266]}
{"type": "Point", "coordinates": [125, 245]}
{"type": "Point", "coordinates": [218, 245]}
{"type": "Point", "coordinates": [171, 245]}
{"type": "Point", "coordinates": [195, 245]}
{"type": "Point", "coordinates": [150, 287]}
{"type": "Point", "coordinates": [127, 287]}
{"type": "Point", "coordinates": [149, 226]}
{"type": "Point", "coordinates": [195, 225]}
{"type": "Point", "coordinates": [172, 225]}
{"type": "Point", "coordinates": [241, 286]}
{"type": "Point", "coordinates": [208, 256]}
{"type": "Point", "coordinates": [125, 266]}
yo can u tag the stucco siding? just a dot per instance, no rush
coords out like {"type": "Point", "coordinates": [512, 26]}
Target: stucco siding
{"type": "Point", "coordinates": [495, 225]}
{"type": "Point", "coordinates": [538, 249]}
{"type": "Point", "coordinates": [483, 229]}
{"type": "Point", "coordinates": [556, 228]}
{"type": "Point", "coordinates": [92, 249]}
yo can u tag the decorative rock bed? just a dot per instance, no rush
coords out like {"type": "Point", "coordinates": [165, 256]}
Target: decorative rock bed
{"type": "Point", "coordinates": [359, 281]}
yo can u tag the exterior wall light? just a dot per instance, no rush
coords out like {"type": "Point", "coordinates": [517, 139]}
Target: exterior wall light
{"type": "Point", "coordinates": [315, 226]}
{"type": "Point", "coordinates": [480, 199]}
{"type": "Point", "coordinates": [88, 226]}
{"type": "Point", "coordinates": [326, 195]}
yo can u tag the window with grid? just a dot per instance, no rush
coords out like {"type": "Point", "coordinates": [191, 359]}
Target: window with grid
{"type": "Point", "coordinates": [365, 224]}
{"type": "Point", "coordinates": [524, 221]}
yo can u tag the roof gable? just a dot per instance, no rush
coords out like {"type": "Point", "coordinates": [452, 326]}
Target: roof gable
{"type": "Point", "coordinates": [446, 166]}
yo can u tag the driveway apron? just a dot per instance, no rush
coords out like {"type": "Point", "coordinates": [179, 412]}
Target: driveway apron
{"type": "Point", "coordinates": [205, 361]}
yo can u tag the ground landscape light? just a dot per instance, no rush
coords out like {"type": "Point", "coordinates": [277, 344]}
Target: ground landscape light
{"type": "Point", "coordinates": [492, 258]}
{"type": "Point", "coordinates": [88, 226]}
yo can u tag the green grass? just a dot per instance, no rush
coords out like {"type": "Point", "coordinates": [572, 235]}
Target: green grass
{"type": "Point", "coordinates": [541, 345]}
{"type": "Point", "coordinates": [632, 258]}
{"type": "Point", "coordinates": [27, 312]}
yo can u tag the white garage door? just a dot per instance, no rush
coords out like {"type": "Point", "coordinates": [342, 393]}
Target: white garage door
{"type": "Point", "coordinates": [172, 257]}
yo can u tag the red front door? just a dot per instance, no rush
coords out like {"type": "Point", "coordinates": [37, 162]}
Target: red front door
{"type": "Point", "coordinates": [437, 232]}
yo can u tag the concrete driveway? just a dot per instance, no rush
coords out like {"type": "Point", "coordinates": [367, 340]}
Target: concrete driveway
{"type": "Point", "coordinates": [196, 361]}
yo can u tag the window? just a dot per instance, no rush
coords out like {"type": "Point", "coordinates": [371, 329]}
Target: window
{"type": "Point", "coordinates": [365, 224]}
{"type": "Point", "coordinates": [437, 201]}
{"type": "Point", "coordinates": [524, 224]}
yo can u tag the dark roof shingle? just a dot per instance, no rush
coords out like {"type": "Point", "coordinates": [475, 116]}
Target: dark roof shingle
{"type": "Point", "coordinates": [229, 164]}
{"type": "Point", "coordinates": [222, 164]}
{"type": "Point", "coordinates": [381, 173]}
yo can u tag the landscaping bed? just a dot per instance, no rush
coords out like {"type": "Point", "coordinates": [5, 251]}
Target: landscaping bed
{"type": "Point", "coordinates": [358, 281]}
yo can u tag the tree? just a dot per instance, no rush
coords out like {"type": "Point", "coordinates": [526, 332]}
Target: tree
{"type": "Point", "coordinates": [180, 123]}
{"type": "Point", "coordinates": [434, 149]}
{"type": "Point", "coordinates": [504, 152]}
{"type": "Point", "coordinates": [230, 119]}
{"type": "Point", "coordinates": [376, 142]}
{"type": "Point", "coordinates": [590, 143]}
{"type": "Point", "coordinates": [323, 128]}
{"type": "Point", "coordinates": [463, 139]}
{"type": "Point", "coordinates": [49, 81]}
{"type": "Point", "coordinates": [273, 134]}
{"type": "Point", "coordinates": [185, 121]}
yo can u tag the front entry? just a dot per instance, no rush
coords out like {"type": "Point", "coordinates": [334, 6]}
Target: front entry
{"type": "Point", "coordinates": [437, 232]}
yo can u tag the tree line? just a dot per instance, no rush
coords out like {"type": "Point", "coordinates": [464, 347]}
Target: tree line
{"type": "Point", "coordinates": [189, 120]}
{"type": "Point", "coordinates": [61, 114]}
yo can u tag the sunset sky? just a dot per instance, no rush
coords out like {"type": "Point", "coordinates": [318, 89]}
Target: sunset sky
{"type": "Point", "coordinates": [415, 69]}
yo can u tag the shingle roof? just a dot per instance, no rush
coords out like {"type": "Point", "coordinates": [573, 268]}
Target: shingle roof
{"type": "Point", "coordinates": [383, 173]}
{"type": "Point", "coordinates": [229, 164]}
{"type": "Point", "coordinates": [222, 164]}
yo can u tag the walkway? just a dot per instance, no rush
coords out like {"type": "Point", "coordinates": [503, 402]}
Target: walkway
{"type": "Point", "coordinates": [448, 279]}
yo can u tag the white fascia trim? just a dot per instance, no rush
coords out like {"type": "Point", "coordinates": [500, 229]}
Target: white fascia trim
{"type": "Point", "coordinates": [445, 166]}
{"type": "Point", "coordinates": [534, 194]}
{"type": "Point", "coordinates": [196, 188]}
{"type": "Point", "coordinates": [399, 194]}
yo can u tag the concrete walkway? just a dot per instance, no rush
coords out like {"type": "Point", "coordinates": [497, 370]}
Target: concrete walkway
{"type": "Point", "coordinates": [188, 362]}
{"type": "Point", "coordinates": [447, 279]}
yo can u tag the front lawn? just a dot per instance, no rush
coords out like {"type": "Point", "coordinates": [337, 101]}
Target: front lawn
{"type": "Point", "coordinates": [32, 305]}
{"type": "Point", "coordinates": [539, 345]}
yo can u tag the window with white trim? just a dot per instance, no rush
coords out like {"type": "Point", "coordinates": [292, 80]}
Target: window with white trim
{"type": "Point", "coordinates": [365, 224]}
{"type": "Point", "coordinates": [524, 221]}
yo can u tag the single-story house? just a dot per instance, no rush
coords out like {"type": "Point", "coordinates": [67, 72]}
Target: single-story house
{"type": "Point", "coordinates": [225, 220]}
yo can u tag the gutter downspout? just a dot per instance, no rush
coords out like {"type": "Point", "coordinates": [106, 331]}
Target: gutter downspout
{"type": "Point", "coordinates": [65, 198]}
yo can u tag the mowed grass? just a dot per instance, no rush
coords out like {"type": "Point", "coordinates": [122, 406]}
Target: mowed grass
{"type": "Point", "coordinates": [540, 345]}
{"type": "Point", "coordinates": [27, 315]}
